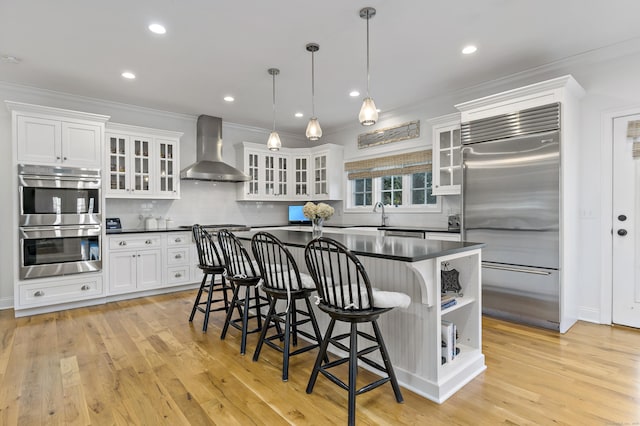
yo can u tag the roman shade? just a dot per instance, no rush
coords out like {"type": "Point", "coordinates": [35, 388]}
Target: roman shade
{"type": "Point", "coordinates": [633, 131]}
{"type": "Point", "coordinates": [399, 164]}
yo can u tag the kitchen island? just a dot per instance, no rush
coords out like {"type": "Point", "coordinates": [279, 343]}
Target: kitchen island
{"type": "Point", "coordinates": [414, 335]}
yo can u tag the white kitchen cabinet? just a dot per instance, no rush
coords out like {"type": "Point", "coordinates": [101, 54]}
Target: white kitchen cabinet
{"type": "Point", "coordinates": [291, 173]}
{"type": "Point", "coordinates": [60, 290]}
{"type": "Point", "coordinates": [301, 173]}
{"type": "Point", "coordinates": [53, 136]}
{"type": "Point", "coordinates": [142, 162]}
{"type": "Point", "coordinates": [446, 155]}
{"type": "Point", "coordinates": [327, 172]}
{"type": "Point", "coordinates": [135, 262]}
{"type": "Point", "coordinates": [179, 260]}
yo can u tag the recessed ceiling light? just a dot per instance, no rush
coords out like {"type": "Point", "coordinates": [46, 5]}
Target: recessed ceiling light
{"type": "Point", "coordinates": [299, 114]}
{"type": "Point", "coordinates": [229, 98]}
{"type": "Point", "coordinates": [354, 93]}
{"type": "Point", "coordinates": [157, 28]}
{"type": "Point", "coordinates": [128, 75]}
{"type": "Point", "coordinates": [468, 50]}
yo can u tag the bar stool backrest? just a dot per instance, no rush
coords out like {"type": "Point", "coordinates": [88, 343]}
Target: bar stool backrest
{"type": "Point", "coordinates": [340, 278]}
{"type": "Point", "coordinates": [236, 257]}
{"type": "Point", "coordinates": [277, 266]}
{"type": "Point", "coordinates": [208, 254]}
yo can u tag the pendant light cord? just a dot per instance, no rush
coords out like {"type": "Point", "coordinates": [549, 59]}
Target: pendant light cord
{"type": "Point", "coordinates": [274, 101]}
{"type": "Point", "coordinates": [313, 85]}
{"type": "Point", "coordinates": [368, 96]}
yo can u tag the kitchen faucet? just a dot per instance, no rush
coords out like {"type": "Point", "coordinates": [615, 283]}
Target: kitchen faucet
{"type": "Point", "coordinates": [384, 217]}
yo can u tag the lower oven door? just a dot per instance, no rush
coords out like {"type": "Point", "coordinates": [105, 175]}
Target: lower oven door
{"type": "Point", "coordinates": [59, 250]}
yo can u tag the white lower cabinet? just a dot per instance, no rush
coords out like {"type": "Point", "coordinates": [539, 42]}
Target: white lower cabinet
{"type": "Point", "coordinates": [51, 291]}
{"type": "Point", "coordinates": [179, 246]}
{"type": "Point", "coordinates": [147, 261]}
{"type": "Point", "coordinates": [135, 262]}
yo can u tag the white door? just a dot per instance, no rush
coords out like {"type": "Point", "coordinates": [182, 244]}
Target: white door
{"type": "Point", "coordinates": [626, 236]}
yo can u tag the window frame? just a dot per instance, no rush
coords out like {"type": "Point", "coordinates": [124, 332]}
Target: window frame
{"type": "Point", "coordinates": [406, 207]}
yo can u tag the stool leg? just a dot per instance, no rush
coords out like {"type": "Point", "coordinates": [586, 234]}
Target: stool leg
{"type": "Point", "coordinates": [195, 305]}
{"type": "Point", "coordinates": [227, 321]}
{"type": "Point", "coordinates": [387, 361]}
{"type": "Point", "coordinates": [353, 372]}
{"type": "Point", "coordinates": [256, 293]}
{"type": "Point", "coordinates": [294, 327]}
{"type": "Point", "coordinates": [321, 354]}
{"type": "Point", "coordinates": [314, 324]}
{"type": "Point", "coordinates": [224, 293]}
{"type": "Point", "coordinates": [263, 333]}
{"type": "Point", "coordinates": [208, 306]}
{"type": "Point", "coordinates": [287, 346]}
{"type": "Point", "coordinates": [245, 320]}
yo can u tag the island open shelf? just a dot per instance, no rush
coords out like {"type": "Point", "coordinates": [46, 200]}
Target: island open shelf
{"type": "Point", "coordinates": [413, 335]}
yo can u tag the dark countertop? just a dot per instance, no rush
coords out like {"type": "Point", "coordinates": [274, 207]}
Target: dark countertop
{"type": "Point", "coordinates": [144, 231]}
{"type": "Point", "coordinates": [389, 228]}
{"type": "Point", "coordinates": [393, 248]}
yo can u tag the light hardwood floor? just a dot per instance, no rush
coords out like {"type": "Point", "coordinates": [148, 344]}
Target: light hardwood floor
{"type": "Point", "coordinates": [142, 362]}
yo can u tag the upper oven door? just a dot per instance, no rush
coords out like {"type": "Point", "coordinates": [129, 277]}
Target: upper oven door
{"type": "Point", "coordinates": [59, 200]}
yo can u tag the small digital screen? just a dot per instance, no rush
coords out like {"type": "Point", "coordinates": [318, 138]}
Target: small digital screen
{"type": "Point", "coordinates": [296, 215]}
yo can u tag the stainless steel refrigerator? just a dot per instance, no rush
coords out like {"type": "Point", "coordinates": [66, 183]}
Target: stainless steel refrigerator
{"type": "Point", "coordinates": [511, 202]}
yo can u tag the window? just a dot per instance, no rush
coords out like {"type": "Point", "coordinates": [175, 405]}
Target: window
{"type": "Point", "coordinates": [403, 181]}
{"type": "Point", "coordinates": [391, 192]}
{"type": "Point", "coordinates": [362, 194]}
{"type": "Point", "coordinates": [421, 189]}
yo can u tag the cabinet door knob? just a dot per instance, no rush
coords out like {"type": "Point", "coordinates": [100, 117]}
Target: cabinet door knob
{"type": "Point", "coordinates": [85, 287]}
{"type": "Point", "coordinates": [39, 293]}
{"type": "Point", "coordinates": [57, 158]}
{"type": "Point", "coordinates": [178, 240]}
{"type": "Point", "coordinates": [622, 232]}
{"type": "Point", "coordinates": [138, 255]}
{"type": "Point", "coordinates": [178, 256]}
{"type": "Point", "coordinates": [148, 242]}
{"type": "Point", "coordinates": [64, 158]}
{"type": "Point", "coordinates": [133, 255]}
{"type": "Point", "coordinates": [178, 275]}
{"type": "Point", "coordinates": [122, 243]}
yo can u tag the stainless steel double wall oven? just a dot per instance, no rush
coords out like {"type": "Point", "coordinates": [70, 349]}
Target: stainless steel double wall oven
{"type": "Point", "coordinates": [60, 220]}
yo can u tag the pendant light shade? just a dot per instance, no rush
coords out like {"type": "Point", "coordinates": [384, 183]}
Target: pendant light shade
{"type": "Point", "coordinates": [368, 112]}
{"type": "Point", "coordinates": [314, 132]}
{"type": "Point", "coordinates": [273, 143]}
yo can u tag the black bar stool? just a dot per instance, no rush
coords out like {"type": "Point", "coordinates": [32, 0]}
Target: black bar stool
{"type": "Point", "coordinates": [346, 295]}
{"type": "Point", "coordinates": [211, 264]}
{"type": "Point", "coordinates": [282, 281]}
{"type": "Point", "coordinates": [241, 273]}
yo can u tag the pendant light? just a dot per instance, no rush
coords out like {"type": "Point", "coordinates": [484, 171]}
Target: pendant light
{"type": "Point", "coordinates": [273, 143]}
{"type": "Point", "coordinates": [314, 132]}
{"type": "Point", "coordinates": [368, 112]}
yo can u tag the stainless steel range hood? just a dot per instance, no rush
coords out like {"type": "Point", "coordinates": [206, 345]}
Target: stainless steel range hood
{"type": "Point", "coordinates": [209, 165]}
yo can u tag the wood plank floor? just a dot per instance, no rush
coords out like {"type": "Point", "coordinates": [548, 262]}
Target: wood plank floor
{"type": "Point", "coordinates": [142, 362]}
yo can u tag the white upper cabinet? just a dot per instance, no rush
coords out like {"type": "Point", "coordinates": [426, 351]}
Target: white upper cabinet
{"type": "Point", "coordinates": [291, 173]}
{"type": "Point", "coordinates": [142, 162]}
{"type": "Point", "coordinates": [446, 155]}
{"type": "Point", "coordinates": [54, 136]}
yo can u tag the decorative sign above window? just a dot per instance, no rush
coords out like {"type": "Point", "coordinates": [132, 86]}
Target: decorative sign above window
{"type": "Point", "coordinates": [401, 132]}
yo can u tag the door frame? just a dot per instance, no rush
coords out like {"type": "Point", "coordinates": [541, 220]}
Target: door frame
{"type": "Point", "coordinates": [606, 214]}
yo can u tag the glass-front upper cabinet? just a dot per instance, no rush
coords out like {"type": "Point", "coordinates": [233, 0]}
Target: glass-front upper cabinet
{"type": "Point", "coordinates": [167, 177]}
{"type": "Point", "coordinates": [143, 162]}
{"type": "Point", "coordinates": [447, 155]}
{"type": "Point", "coordinates": [129, 165]}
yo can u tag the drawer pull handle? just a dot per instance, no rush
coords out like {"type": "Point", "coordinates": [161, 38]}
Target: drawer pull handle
{"type": "Point", "coordinates": [39, 293]}
{"type": "Point", "coordinates": [85, 287]}
{"type": "Point", "coordinates": [178, 240]}
{"type": "Point", "coordinates": [178, 256]}
{"type": "Point", "coordinates": [122, 243]}
{"type": "Point", "coordinates": [148, 242]}
{"type": "Point", "coordinates": [178, 275]}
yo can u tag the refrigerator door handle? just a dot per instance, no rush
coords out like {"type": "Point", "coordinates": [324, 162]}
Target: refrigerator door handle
{"type": "Point", "coordinates": [502, 267]}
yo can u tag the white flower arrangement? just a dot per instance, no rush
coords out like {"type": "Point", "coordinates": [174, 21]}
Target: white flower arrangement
{"type": "Point", "coordinates": [317, 211]}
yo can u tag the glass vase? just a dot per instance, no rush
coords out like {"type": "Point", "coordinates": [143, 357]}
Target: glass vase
{"type": "Point", "coordinates": [316, 227]}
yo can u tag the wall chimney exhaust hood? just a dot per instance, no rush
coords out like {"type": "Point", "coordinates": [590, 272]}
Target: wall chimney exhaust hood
{"type": "Point", "coordinates": [209, 165]}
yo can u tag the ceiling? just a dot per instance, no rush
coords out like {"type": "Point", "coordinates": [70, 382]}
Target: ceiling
{"type": "Point", "coordinates": [213, 48]}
